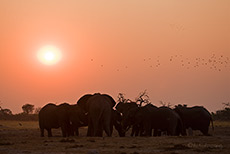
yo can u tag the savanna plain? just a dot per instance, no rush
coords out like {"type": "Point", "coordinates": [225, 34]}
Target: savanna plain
{"type": "Point", "coordinates": [24, 137]}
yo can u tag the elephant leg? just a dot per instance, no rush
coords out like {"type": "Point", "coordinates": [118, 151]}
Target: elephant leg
{"type": "Point", "coordinates": [49, 132]}
{"type": "Point", "coordinates": [178, 130]}
{"type": "Point", "coordinates": [142, 132]}
{"type": "Point", "coordinates": [90, 131]}
{"type": "Point", "coordinates": [42, 132]}
{"type": "Point", "coordinates": [111, 127]}
{"type": "Point", "coordinates": [159, 132]}
{"type": "Point", "coordinates": [149, 132]}
{"type": "Point", "coordinates": [173, 132]}
{"type": "Point", "coordinates": [155, 133]}
{"type": "Point", "coordinates": [137, 131]}
{"type": "Point", "coordinates": [184, 132]}
{"type": "Point", "coordinates": [205, 131]}
{"type": "Point", "coordinates": [77, 132]}
{"type": "Point", "coordinates": [107, 131]}
{"type": "Point", "coordinates": [64, 130]}
{"type": "Point", "coordinates": [119, 129]}
{"type": "Point", "coordinates": [95, 127]}
{"type": "Point", "coordinates": [133, 131]}
{"type": "Point", "coordinates": [106, 123]}
{"type": "Point", "coordinates": [100, 131]}
{"type": "Point", "coordinates": [190, 131]}
{"type": "Point", "coordinates": [107, 128]}
{"type": "Point", "coordinates": [94, 124]}
{"type": "Point", "coordinates": [90, 128]}
{"type": "Point", "coordinates": [71, 130]}
{"type": "Point", "coordinates": [147, 128]}
{"type": "Point", "coordinates": [169, 132]}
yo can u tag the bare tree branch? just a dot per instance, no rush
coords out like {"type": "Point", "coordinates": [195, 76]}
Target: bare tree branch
{"type": "Point", "coordinates": [143, 98]}
{"type": "Point", "coordinates": [167, 104]}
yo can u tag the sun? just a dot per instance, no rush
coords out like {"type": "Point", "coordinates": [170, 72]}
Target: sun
{"type": "Point", "coordinates": [49, 55]}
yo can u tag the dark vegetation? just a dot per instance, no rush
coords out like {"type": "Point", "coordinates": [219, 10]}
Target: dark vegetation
{"type": "Point", "coordinates": [224, 114]}
{"type": "Point", "coordinates": [29, 113]}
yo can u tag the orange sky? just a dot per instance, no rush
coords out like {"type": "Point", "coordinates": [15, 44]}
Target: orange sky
{"type": "Point", "coordinates": [116, 46]}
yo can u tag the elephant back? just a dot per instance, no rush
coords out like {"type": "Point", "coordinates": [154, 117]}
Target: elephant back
{"type": "Point", "coordinates": [190, 113]}
{"type": "Point", "coordinates": [98, 99]}
{"type": "Point", "coordinates": [112, 101]}
{"type": "Point", "coordinates": [168, 112]}
{"type": "Point", "coordinates": [195, 117]}
{"type": "Point", "coordinates": [48, 109]}
{"type": "Point", "coordinates": [124, 107]}
{"type": "Point", "coordinates": [62, 112]}
{"type": "Point", "coordinates": [82, 102]}
{"type": "Point", "coordinates": [48, 116]}
{"type": "Point", "coordinates": [77, 115]}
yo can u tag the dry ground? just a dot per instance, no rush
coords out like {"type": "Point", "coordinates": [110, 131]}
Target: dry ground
{"type": "Point", "coordinates": [24, 137]}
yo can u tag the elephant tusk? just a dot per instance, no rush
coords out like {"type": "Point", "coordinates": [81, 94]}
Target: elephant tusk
{"type": "Point", "coordinates": [127, 128]}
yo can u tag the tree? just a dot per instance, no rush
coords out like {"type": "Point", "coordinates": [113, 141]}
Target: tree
{"type": "Point", "coordinates": [223, 114]}
{"type": "Point", "coordinates": [37, 110]}
{"type": "Point", "coordinates": [226, 105]}
{"type": "Point", "coordinates": [143, 98]}
{"type": "Point", "coordinates": [122, 99]}
{"type": "Point", "coordinates": [168, 104]}
{"type": "Point", "coordinates": [5, 111]}
{"type": "Point", "coordinates": [28, 108]}
{"type": "Point", "coordinates": [181, 105]}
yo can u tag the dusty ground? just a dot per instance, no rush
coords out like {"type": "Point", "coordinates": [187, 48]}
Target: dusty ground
{"type": "Point", "coordinates": [24, 137]}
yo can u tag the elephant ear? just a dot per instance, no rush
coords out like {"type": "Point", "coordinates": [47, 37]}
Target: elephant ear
{"type": "Point", "coordinates": [119, 107]}
{"type": "Point", "coordinates": [82, 102]}
{"type": "Point", "coordinates": [112, 101]}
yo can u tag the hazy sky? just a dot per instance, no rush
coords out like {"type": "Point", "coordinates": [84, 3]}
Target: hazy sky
{"type": "Point", "coordinates": [178, 50]}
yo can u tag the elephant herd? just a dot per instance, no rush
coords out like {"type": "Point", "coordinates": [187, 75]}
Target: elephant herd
{"type": "Point", "coordinates": [99, 113]}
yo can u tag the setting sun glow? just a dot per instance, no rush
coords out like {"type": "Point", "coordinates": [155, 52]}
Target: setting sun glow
{"type": "Point", "coordinates": [49, 55]}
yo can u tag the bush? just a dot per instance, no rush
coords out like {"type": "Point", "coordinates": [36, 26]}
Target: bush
{"type": "Point", "coordinates": [222, 114]}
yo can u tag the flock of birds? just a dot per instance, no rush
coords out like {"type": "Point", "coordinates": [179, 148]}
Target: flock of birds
{"type": "Point", "coordinates": [214, 62]}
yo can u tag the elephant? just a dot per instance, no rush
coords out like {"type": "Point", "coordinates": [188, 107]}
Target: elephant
{"type": "Point", "coordinates": [130, 119]}
{"type": "Point", "coordinates": [140, 118]}
{"type": "Point", "coordinates": [196, 118]}
{"type": "Point", "coordinates": [78, 118]}
{"type": "Point", "coordinates": [116, 122]}
{"type": "Point", "coordinates": [169, 121]}
{"type": "Point", "coordinates": [99, 108]}
{"type": "Point", "coordinates": [68, 117]}
{"type": "Point", "coordinates": [123, 108]}
{"type": "Point", "coordinates": [151, 117]}
{"type": "Point", "coordinates": [83, 101]}
{"type": "Point", "coordinates": [62, 114]}
{"type": "Point", "coordinates": [48, 119]}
